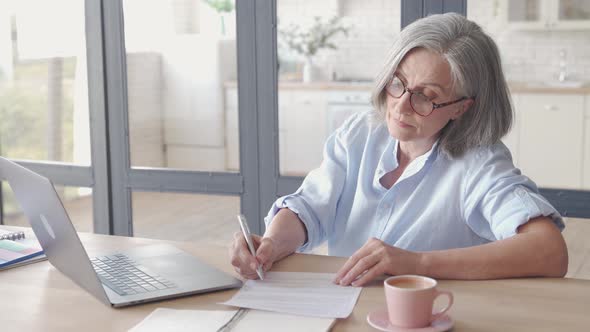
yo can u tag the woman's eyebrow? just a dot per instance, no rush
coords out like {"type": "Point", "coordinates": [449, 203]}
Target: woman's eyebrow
{"type": "Point", "coordinates": [440, 87]}
{"type": "Point", "coordinates": [402, 76]}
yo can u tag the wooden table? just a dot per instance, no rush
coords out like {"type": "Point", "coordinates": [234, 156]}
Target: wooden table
{"type": "Point", "coordinates": [37, 297]}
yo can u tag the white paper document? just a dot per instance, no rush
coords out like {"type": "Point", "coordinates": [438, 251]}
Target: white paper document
{"type": "Point", "coordinates": [297, 293]}
{"type": "Point", "coordinates": [245, 320]}
{"type": "Point", "coordinates": [163, 319]}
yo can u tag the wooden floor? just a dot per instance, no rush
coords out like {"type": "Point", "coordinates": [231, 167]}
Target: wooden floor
{"type": "Point", "coordinates": [196, 218]}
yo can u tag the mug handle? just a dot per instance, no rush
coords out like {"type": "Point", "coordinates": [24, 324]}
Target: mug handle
{"type": "Point", "coordinates": [449, 295]}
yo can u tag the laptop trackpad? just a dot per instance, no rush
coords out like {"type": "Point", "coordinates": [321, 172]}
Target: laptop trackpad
{"type": "Point", "coordinates": [179, 267]}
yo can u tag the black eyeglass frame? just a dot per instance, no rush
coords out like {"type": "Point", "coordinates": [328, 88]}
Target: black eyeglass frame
{"type": "Point", "coordinates": [412, 93]}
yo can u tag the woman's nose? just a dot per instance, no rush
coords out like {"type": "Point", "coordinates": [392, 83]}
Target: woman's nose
{"type": "Point", "coordinates": [404, 105]}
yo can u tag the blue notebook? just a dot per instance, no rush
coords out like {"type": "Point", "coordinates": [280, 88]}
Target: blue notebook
{"type": "Point", "coordinates": [18, 248]}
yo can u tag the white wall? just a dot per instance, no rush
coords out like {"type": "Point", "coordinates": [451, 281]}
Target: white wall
{"type": "Point", "coordinates": [532, 55]}
{"type": "Point", "coordinates": [145, 93]}
{"type": "Point", "coordinates": [526, 55]}
{"type": "Point", "coordinates": [195, 67]}
{"type": "Point", "coordinates": [361, 54]}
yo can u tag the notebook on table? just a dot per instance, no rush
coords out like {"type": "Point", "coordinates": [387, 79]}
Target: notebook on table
{"type": "Point", "coordinates": [19, 248]}
{"type": "Point", "coordinates": [242, 320]}
{"type": "Point", "coordinates": [138, 275]}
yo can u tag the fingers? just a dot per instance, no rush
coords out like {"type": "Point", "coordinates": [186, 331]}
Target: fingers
{"type": "Point", "coordinates": [256, 239]}
{"type": "Point", "coordinates": [364, 251]}
{"type": "Point", "coordinates": [266, 254]}
{"type": "Point", "coordinates": [266, 266]}
{"type": "Point", "coordinates": [359, 270]}
{"type": "Point", "coordinates": [346, 268]}
{"type": "Point", "coordinates": [240, 257]}
{"type": "Point", "coordinates": [369, 262]}
{"type": "Point", "coordinates": [371, 274]}
{"type": "Point", "coordinates": [245, 275]}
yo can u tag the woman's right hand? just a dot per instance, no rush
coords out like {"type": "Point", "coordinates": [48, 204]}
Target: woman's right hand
{"type": "Point", "coordinates": [243, 261]}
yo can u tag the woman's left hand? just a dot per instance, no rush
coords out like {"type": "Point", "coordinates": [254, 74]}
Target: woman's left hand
{"type": "Point", "coordinates": [374, 259]}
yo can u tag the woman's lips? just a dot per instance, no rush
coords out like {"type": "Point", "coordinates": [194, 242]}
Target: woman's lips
{"type": "Point", "coordinates": [393, 117]}
{"type": "Point", "coordinates": [402, 124]}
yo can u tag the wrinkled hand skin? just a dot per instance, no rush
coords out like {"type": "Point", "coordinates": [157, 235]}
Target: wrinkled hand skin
{"type": "Point", "coordinates": [374, 259]}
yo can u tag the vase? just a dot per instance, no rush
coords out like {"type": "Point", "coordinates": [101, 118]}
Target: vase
{"type": "Point", "coordinates": [310, 71]}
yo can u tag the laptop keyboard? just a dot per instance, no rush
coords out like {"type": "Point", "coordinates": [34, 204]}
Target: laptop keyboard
{"type": "Point", "coordinates": [126, 277]}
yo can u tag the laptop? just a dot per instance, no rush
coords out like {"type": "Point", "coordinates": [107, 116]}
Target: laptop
{"type": "Point", "coordinates": [142, 274]}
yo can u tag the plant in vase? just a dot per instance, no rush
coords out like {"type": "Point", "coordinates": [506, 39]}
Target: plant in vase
{"type": "Point", "coordinates": [222, 7]}
{"type": "Point", "coordinates": [308, 41]}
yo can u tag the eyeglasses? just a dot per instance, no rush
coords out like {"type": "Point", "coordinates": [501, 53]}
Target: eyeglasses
{"type": "Point", "coordinates": [419, 102]}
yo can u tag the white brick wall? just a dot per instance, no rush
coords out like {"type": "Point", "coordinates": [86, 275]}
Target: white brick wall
{"type": "Point", "coordinates": [532, 55]}
{"type": "Point", "coordinates": [359, 56]}
{"type": "Point", "coordinates": [526, 55]}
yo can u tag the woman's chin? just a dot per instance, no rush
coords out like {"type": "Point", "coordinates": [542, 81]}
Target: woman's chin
{"type": "Point", "coordinates": [397, 133]}
{"type": "Point", "coordinates": [401, 134]}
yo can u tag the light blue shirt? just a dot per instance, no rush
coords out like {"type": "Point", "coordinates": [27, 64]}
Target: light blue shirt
{"type": "Point", "coordinates": [437, 203]}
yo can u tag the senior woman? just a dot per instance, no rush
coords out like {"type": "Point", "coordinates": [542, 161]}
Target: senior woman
{"type": "Point", "coordinates": [422, 185]}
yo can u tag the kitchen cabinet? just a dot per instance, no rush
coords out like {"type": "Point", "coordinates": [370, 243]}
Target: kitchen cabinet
{"type": "Point", "coordinates": [193, 67]}
{"type": "Point", "coordinates": [548, 14]}
{"type": "Point", "coordinates": [343, 104]}
{"type": "Point", "coordinates": [308, 113]}
{"type": "Point", "coordinates": [302, 130]}
{"type": "Point", "coordinates": [511, 139]}
{"type": "Point", "coordinates": [551, 139]}
{"type": "Point", "coordinates": [302, 123]}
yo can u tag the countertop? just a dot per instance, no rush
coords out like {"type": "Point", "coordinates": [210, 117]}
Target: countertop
{"type": "Point", "coordinates": [515, 87]}
{"type": "Point", "coordinates": [320, 85]}
{"type": "Point", "coordinates": [521, 87]}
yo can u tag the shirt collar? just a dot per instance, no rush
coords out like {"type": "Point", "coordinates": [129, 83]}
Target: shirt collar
{"type": "Point", "coordinates": [418, 163]}
{"type": "Point", "coordinates": [389, 162]}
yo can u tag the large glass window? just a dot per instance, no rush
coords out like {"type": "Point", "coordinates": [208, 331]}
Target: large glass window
{"type": "Point", "coordinates": [44, 95]}
{"type": "Point", "coordinates": [43, 85]}
{"type": "Point", "coordinates": [524, 11]}
{"type": "Point", "coordinates": [574, 10]}
{"type": "Point", "coordinates": [329, 52]}
{"type": "Point", "coordinates": [181, 60]}
{"type": "Point", "coordinates": [76, 200]}
{"type": "Point", "coordinates": [185, 217]}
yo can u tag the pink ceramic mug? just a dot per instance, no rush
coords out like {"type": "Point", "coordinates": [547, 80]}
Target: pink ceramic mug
{"type": "Point", "coordinates": [410, 299]}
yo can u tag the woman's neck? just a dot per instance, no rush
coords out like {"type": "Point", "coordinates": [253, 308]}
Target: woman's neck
{"type": "Point", "coordinates": [410, 150]}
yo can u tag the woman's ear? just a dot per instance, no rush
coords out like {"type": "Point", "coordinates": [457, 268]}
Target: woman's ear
{"type": "Point", "coordinates": [463, 107]}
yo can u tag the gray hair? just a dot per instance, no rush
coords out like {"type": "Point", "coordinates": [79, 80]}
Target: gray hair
{"type": "Point", "coordinates": [476, 71]}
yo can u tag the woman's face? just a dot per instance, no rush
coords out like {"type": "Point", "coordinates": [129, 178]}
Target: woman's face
{"type": "Point", "coordinates": [428, 73]}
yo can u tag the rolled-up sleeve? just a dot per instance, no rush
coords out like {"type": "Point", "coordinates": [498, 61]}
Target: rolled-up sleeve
{"type": "Point", "coordinates": [316, 201]}
{"type": "Point", "coordinates": [498, 198]}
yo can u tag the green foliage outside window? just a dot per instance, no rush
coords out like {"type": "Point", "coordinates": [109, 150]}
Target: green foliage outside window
{"type": "Point", "coordinates": [23, 112]}
{"type": "Point", "coordinates": [23, 118]}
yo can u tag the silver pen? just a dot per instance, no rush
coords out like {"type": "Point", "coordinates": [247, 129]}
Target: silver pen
{"type": "Point", "coordinates": [248, 237]}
